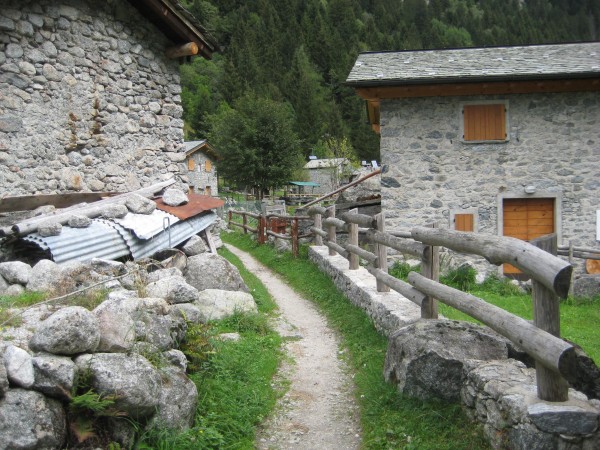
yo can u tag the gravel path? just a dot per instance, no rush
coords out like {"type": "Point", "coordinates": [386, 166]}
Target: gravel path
{"type": "Point", "coordinates": [318, 410]}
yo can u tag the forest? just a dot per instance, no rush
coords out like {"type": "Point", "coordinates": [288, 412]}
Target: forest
{"type": "Point", "coordinates": [278, 82]}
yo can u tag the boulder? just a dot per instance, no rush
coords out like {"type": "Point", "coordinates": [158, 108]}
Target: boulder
{"type": "Point", "coordinates": [174, 197]}
{"type": "Point", "coordinates": [163, 331]}
{"type": "Point", "coordinates": [108, 267]}
{"type": "Point", "coordinates": [173, 289]}
{"type": "Point", "coordinates": [139, 204]}
{"type": "Point", "coordinates": [176, 358]}
{"type": "Point", "coordinates": [177, 401]}
{"type": "Point", "coordinates": [367, 190]}
{"type": "Point", "coordinates": [44, 275]}
{"type": "Point", "coordinates": [54, 375]}
{"type": "Point", "coordinates": [116, 324]}
{"type": "Point", "coordinates": [49, 228]}
{"type": "Point", "coordinates": [4, 378]}
{"type": "Point", "coordinates": [163, 273]}
{"type": "Point", "coordinates": [3, 285]}
{"type": "Point", "coordinates": [115, 211]}
{"type": "Point", "coordinates": [19, 367]}
{"type": "Point", "coordinates": [31, 421]}
{"type": "Point", "coordinates": [586, 286]}
{"type": "Point", "coordinates": [194, 246]}
{"type": "Point", "coordinates": [68, 331]}
{"type": "Point", "coordinates": [217, 304]}
{"type": "Point", "coordinates": [76, 221]}
{"type": "Point", "coordinates": [210, 271]}
{"type": "Point", "coordinates": [14, 290]}
{"type": "Point", "coordinates": [15, 272]}
{"type": "Point", "coordinates": [189, 312]}
{"type": "Point", "coordinates": [131, 378]}
{"type": "Point", "coordinates": [426, 359]}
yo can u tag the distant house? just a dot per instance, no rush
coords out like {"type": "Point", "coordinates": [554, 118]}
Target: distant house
{"type": "Point", "coordinates": [329, 174]}
{"type": "Point", "coordinates": [90, 94]}
{"type": "Point", "coordinates": [503, 141]}
{"type": "Point", "coordinates": [201, 170]}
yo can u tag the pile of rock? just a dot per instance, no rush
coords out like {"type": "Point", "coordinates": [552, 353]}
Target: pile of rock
{"type": "Point", "coordinates": [55, 351]}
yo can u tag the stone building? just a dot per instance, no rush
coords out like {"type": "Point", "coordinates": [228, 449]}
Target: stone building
{"type": "Point", "coordinates": [201, 170]}
{"type": "Point", "coordinates": [90, 93]}
{"type": "Point", "coordinates": [502, 141]}
{"type": "Point", "coordinates": [329, 174]}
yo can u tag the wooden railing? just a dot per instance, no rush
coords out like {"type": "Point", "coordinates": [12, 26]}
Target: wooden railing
{"type": "Point", "coordinates": [551, 276]}
{"type": "Point", "coordinates": [275, 225]}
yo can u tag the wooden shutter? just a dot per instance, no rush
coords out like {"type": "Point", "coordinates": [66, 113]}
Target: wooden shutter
{"type": "Point", "coordinates": [527, 219]}
{"type": "Point", "coordinates": [484, 122]}
{"type": "Point", "coordinates": [207, 166]}
{"type": "Point", "coordinates": [464, 222]}
{"type": "Point", "coordinates": [207, 190]}
{"type": "Point", "coordinates": [191, 164]}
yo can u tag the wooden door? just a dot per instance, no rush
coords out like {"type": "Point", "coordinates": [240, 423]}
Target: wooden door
{"type": "Point", "coordinates": [527, 219]}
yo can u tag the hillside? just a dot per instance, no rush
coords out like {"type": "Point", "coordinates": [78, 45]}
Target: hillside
{"type": "Point", "coordinates": [300, 52]}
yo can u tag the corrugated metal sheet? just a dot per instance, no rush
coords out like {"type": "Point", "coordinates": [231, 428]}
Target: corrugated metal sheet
{"type": "Point", "coordinates": [179, 232]}
{"type": "Point", "coordinates": [196, 205]}
{"type": "Point", "coordinates": [99, 240]}
{"type": "Point", "coordinates": [144, 226]}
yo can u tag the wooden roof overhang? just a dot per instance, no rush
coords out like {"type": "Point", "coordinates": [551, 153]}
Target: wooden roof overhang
{"type": "Point", "coordinates": [373, 93]}
{"type": "Point", "coordinates": [180, 26]}
{"type": "Point", "coordinates": [205, 148]}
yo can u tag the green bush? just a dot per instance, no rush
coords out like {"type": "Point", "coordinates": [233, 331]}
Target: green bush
{"type": "Point", "coordinates": [462, 277]}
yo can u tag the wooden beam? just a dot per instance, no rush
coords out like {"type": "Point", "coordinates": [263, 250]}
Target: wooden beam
{"type": "Point", "coordinates": [189, 49]}
{"type": "Point", "coordinates": [374, 94]}
{"type": "Point", "coordinates": [29, 202]}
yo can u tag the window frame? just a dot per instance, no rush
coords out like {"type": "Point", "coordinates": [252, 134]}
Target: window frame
{"type": "Point", "coordinates": [472, 211]}
{"type": "Point", "coordinates": [485, 103]}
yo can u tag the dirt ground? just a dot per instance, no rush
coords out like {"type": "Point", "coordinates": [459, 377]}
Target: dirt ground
{"type": "Point", "coordinates": [318, 411]}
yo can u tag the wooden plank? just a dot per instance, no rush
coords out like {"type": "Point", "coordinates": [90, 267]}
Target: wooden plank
{"type": "Point", "coordinates": [30, 202]}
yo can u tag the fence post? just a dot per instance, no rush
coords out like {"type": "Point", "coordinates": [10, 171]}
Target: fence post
{"type": "Point", "coordinates": [331, 233]}
{"type": "Point", "coordinates": [244, 222]}
{"type": "Point", "coordinates": [353, 240]}
{"type": "Point", "coordinates": [229, 217]}
{"type": "Point", "coordinates": [381, 252]}
{"type": "Point", "coordinates": [546, 315]}
{"type": "Point", "coordinates": [318, 225]}
{"type": "Point", "coordinates": [295, 237]}
{"type": "Point", "coordinates": [430, 268]}
{"type": "Point", "coordinates": [571, 260]}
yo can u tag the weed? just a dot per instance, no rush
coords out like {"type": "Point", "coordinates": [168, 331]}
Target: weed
{"type": "Point", "coordinates": [499, 285]}
{"type": "Point", "coordinates": [197, 346]}
{"type": "Point", "coordinates": [401, 270]}
{"type": "Point", "coordinates": [462, 277]}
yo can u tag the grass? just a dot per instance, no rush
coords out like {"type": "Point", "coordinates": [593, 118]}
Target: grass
{"type": "Point", "coordinates": [233, 378]}
{"type": "Point", "coordinates": [389, 420]}
{"type": "Point", "coordinates": [579, 318]}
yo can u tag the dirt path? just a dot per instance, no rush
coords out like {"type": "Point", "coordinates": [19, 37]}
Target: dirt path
{"type": "Point", "coordinates": [318, 411]}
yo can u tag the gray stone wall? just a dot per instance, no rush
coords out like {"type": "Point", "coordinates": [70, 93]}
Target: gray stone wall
{"type": "Point", "coordinates": [554, 145]}
{"type": "Point", "coordinates": [88, 101]}
{"type": "Point", "coordinates": [199, 178]}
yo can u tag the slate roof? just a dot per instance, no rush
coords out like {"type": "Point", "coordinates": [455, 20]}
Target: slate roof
{"type": "Point", "coordinates": [325, 163]}
{"type": "Point", "coordinates": [533, 62]}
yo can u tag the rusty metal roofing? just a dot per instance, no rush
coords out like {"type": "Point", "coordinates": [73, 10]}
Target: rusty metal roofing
{"type": "Point", "coordinates": [197, 204]}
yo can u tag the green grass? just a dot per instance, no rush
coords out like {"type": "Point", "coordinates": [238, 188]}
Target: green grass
{"type": "Point", "coordinates": [389, 420]}
{"type": "Point", "coordinates": [233, 378]}
{"type": "Point", "coordinates": [579, 318]}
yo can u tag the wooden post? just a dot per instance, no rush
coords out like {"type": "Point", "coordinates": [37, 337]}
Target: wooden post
{"type": "Point", "coordinates": [229, 217]}
{"type": "Point", "coordinates": [381, 252]}
{"type": "Point", "coordinates": [331, 231]}
{"type": "Point", "coordinates": [353, 240]}
{"type": "Point", "coordinates": [571, 258]}
{"type": "Point", "coordinates": [318, 238]}
{"type": "Point", "coordinates": [430, 268]}
{"type": "Point", "coordinates": [295, 237]}
{"type": "Point", "coordinates": [546, 315]}
{"type": "Point", "coordinates": [245, 222]}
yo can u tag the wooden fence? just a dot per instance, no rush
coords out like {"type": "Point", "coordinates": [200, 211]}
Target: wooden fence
{"type": "Point", "coordinates": [276, 225]}
{"type": "Point", "coordinates": [551, 277]}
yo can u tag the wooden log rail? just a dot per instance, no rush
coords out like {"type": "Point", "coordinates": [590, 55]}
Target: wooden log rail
{"type": "Point", "coordinates": [551, 278]}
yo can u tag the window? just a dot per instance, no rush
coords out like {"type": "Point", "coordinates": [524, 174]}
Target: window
{"type": "Point", "coordinates": [191, 164]}
{"type": "Point", "coordinates": [485, 122]}
{"type": "Point", "coordinates": [207, 166]}
{"type": "Point", "coordinates": [464, 220]}
{"type": "Point", "coordinates": [207, 190]}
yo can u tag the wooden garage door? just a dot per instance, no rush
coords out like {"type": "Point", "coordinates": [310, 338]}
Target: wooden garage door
{"type": "Point", "coordinates": [527, 219]}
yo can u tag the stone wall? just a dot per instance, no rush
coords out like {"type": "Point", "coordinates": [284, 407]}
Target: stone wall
{"type": "Point", "coordinates": [199, 178]}
{"type": "Point", "coordinates": [88, 101]}
{"type": "Point", "coordinates": [430, 173]}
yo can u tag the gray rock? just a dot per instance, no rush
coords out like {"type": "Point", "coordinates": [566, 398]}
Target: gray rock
{"type": "Point", "coordinates": [187, 311]}
{"type": "Point", "coordinates": [528, 437]}
{"type": "Point", "coordinates": [176, 358]}
{"type": "Point", "coordinates": [115, 211]}
{"type": "Point", "coordinates": [54, 375]}
{"type": "Point", "coordinates": [426, 359]}
{"type": "Point", "coordinates": [3, 285]}
{"type": "Point", "coordinates": [44, 276]}
{"type": "Point", "coordinates": [14, 290]}
{"type": "Point", "coordinates": [68, 331]}
{"type": "Point", "coordinates": [76, 221]}
{"type": "Point", "coordinates": [31, 421]}
{"type": "Point", "coordinates": [229, 337]}
{"type": "Point", "coordinates": [132, 378]}
{"type": "Point", "coordinates": [108, 267]}
{"type": "Point", "coordinates": [173, 289]}
{"type": "Point", "coordinates": [4, 378]}
{"type": "Point", "coordinates": [139, 204]}
{"type": "Point", "coordinates": [564, 419]}
{"type": "Point", "coordinates": [19, 366]}
{"type": "Point", "coordinates": [217, 304]}
{"type": "Point", "coordinates": [10, 124]}
{"type": "Point", "coordinates": [586, 286]}
{"type": "Point", "coordinates": [116, 324]}
{"type": "Point", "coordinates": [163, 331]}
{"type": "Point", "coordinates": [210, 271]}
{"type": "Point", "coordinates": [194, 246]}
{"type": "Point", "coordinates": [15, 272]}
{"type": "Point", "coordinates": [163, 273]}
{"type": "Point", "coordinates": [177, 402]}
{"type": "Point", "coordinates": [174, 197]}
{"type": "Point", "coordinates": [49, 228]}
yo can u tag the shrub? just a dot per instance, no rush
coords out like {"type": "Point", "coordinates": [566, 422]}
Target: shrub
{"type": "Point", "coordinates": [462, 277]}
